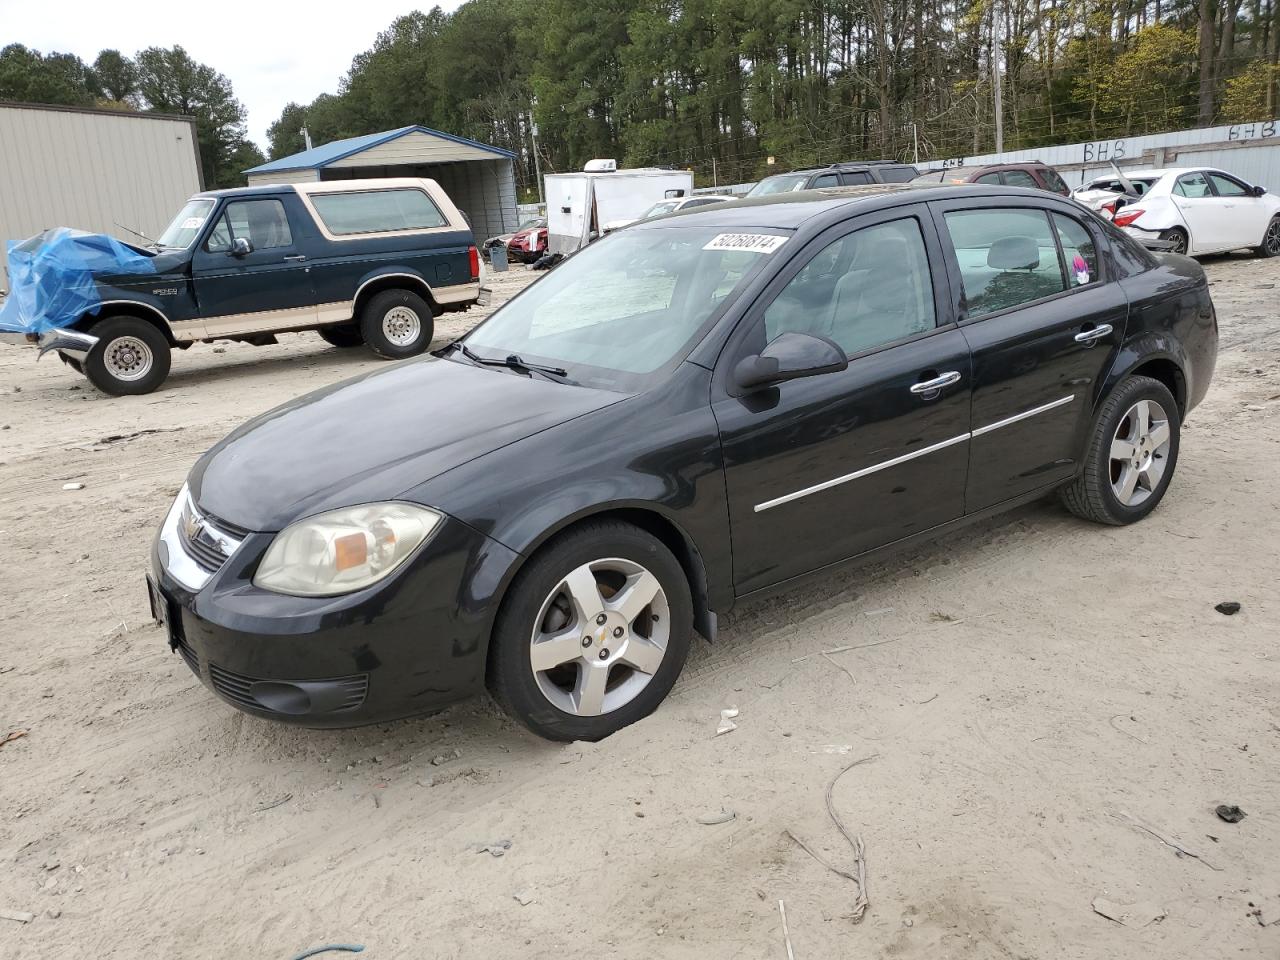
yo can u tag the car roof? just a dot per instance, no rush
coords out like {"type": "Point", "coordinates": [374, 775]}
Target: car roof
{"type": "Point", "coordinates": [789, 211]}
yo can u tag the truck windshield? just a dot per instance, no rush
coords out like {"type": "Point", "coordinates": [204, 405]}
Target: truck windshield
{"type": "Point", "coordinates": [186, 226]}
{"type": "Point", "coordinates": [782, 183]}
{"type": "Point", "coordinates": [626, 308]}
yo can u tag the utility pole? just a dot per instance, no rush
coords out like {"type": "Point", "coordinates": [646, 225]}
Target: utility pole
{"type": "Point", "coordinates": [306, 136]}
{"type": "Point", "coordinates": [715, 181]}
{"type": "Point", "coordinates": [997, 55]}
{"type": "Point", "coordinates": [915, 143]}
{"type": "Point", "coordinates": [537, 161]}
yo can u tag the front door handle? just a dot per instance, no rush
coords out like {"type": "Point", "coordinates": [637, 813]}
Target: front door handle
{"type": "Point", "coordinates": [937, 383]}
{"type": "Point", "coordinates": [1089, 337]}
{"type": "Point", "coordinates": [296, 258]}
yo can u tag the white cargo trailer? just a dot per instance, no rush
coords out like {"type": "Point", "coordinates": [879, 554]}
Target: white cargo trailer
{"type": "Point", "coordinates": [579, 204]}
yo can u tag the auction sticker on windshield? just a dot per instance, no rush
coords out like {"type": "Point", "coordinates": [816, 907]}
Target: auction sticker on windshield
{"type": "Point", "coordinates": [746, 242]}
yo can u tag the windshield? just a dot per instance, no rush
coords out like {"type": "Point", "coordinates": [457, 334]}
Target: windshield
{"type": "Point", "coordinates": [537, 224]}
{"type": "Point", "coordinates": [624, 308]}
{"type": "Point", "coordinates": [782, 183]}
{"type": "Point", "coordinates": [666, 206]}
{"type": "Point", "coordinates": [186, 226]}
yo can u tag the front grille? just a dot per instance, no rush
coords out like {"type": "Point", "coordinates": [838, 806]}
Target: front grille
{"type": "Point", "coordinates": [341, 693]}
{"type": "Point", "coordinates": [188, 654]}
{"type": "Point", "coordinates": [207, 541]}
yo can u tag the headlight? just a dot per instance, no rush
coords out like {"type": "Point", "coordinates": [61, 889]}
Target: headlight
{"type": "Point", "coordinates": [344, 550]}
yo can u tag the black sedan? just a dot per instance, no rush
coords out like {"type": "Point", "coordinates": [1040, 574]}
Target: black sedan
{"type": "Point", "coordinates": [690, 413]}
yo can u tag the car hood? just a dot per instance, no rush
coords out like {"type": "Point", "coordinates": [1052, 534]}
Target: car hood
{"type": "Point", "coordinates": [374, 437]}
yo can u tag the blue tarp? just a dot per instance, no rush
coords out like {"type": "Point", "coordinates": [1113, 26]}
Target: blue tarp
{"type": "Point", "coordinates": [51, 277]}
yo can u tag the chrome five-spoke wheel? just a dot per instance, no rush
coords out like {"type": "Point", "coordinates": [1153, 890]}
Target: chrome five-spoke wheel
{"type": "Point", "coordinates": [600, 637]}
{"type": "Point", "coordinates": [1139, 452]}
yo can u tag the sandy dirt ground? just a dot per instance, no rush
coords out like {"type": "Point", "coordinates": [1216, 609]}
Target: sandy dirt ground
{"type": "Point", "coordinates": [1053, 708]}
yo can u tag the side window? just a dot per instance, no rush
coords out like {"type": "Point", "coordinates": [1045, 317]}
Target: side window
{"type": "Point", "coordinates": [988, 178]}
{"type": "Point", "coordinates": [1020, 178]}
{"type": "Point", "coordinates": [1192, 185]}
{"type": "Point", "coordinates": [1007, 257]}
{"type": "Point", "coordinates": [262, 222]}
{"type": "Point", "coordinates": [855, 179]}
{"type": "Point", "coordinates": [826, 180]}
{"type": "Point", "coordinates": [377, 211]}
{"type": "Point", "coordinates": [1078, 250]}
{"type": "Point", "coordinates": [866, 289]}
{"type": "Point", "coordinates": [1226, 187]}
{"type": "Point", "coordinates": [1053, 181]}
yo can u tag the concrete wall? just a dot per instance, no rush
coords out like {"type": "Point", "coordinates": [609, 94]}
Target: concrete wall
{"type": "Point", "coordinates": [1249, 150]}
{"type": "Point", "coordinates": [91, 169]}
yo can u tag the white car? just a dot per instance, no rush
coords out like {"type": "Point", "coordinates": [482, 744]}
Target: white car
{"type": "Point", "coordinates": [1196, 211]}
{"type": "Point", "coordinates": [670, 206]}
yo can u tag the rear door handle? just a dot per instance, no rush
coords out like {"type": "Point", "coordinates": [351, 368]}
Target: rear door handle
{"type": "Point", "coordinates": [1089, 337]}
{"type": "Point", "coordinates": [937, 383]}
{"type": "Point", "coordinates": [295, 258]}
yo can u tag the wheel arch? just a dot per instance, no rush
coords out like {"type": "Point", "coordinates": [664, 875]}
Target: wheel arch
{"type": "Point", "coordinates": [658, 524]}
{"type": "Point", "coordinates": [398, 280]}
{"type": "Point", "coordinates": [1159, 361]}
{"type": "Point", "coordinates": [127, 308]}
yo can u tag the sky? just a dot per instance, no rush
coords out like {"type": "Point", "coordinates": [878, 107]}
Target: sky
{"type": "Point", "coordinates": [272, 52]}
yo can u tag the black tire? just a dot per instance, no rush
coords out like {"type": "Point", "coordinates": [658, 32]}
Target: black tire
{"type": "Point", "coordinates": [1270, 246]}
{"type": "Point", "coordinates": [374, 319]}
{"type": "Point", "coordinates": [342, 335]}
{"type": "Point", "coordinates": [1091, 495]}
{"type": "Point", "coordinates": [119, 365]}
{"type": "Point", "coordinates": [1178, 237]}
{"type": "Point", "coordinates": [512, 679]}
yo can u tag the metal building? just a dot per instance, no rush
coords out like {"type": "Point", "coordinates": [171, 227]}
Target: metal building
{"type": "Point", "coordinates": [93, 169]}
{"type": "Point", "coordinates": [479, 179]}
{"type": "Point", "coordinates": [1249, 150]}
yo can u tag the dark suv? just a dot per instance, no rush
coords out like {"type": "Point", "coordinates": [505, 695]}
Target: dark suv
{"type": "Point", "coordinates": [836, 175]}
{"type": "Point", "coordinates": [1033, 175]}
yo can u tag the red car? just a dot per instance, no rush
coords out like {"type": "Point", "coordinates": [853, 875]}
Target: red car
{"type": "Point", "coordinates": [1033, 175]}
{"type": "Point", "coordinates": [529, 242]}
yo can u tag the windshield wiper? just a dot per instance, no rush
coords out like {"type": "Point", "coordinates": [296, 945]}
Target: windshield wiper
{"type": "Point", "coordinates": [512, 362]}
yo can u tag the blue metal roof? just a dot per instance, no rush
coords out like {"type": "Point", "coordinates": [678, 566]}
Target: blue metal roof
{"type": "Point", "coordinates": [328, 153]}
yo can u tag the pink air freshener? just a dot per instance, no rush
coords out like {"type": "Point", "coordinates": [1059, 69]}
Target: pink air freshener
{"type": "Point", "coordinates": [1082, 270]}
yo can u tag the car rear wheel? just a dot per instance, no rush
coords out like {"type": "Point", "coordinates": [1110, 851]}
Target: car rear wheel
{"type": "Point", "coordinates": [1270, 246]}
{"type": "Point", "coordinates": [397, 324]}
{"type": "Point", "coordinates": [131, 357]}
{"type": "Point", "coordinates": [1178, 237]}
{"type": "Point", "coordinates": [1131, 455]}
{"type": "Point", "coordinates": [342, 335]}
{"type": "Point", "coordinates": [592, 634]}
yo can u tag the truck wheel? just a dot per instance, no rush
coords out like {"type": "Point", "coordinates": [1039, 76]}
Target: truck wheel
{"type": "Point", "coordinates": [397, 324]}
{"type": "Point", "coordinates": [131, 357]}
{"type": "Point", "coordinates": [342, 335]}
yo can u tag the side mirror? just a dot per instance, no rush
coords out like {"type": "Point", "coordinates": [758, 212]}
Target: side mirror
{"type": "Point", "coordinates": [1259, 191]}
{"type": "Point", "coordinates": [789, 356]}
{"type": "Point", "coordinates": [241, 247]}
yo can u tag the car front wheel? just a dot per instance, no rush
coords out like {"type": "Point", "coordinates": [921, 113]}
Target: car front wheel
{"type": "Point", "coordinates": [1131, 455]}
{"type": "Point", "coordinates": [592, 634]}
{"type": "Point", "coordinates": [397, 324]}
{"type": "Point", "coordinates": [130, 357]}
{"type": "Point", "coordinates": [1270, 246]}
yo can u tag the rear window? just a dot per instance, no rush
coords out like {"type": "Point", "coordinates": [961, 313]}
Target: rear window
{"type": "Point", "coordinates": [377, 211]}
{"type": "Point", "coordinates": [896, 174]}
{"type": "Point", "coordinates": [1053, 181]}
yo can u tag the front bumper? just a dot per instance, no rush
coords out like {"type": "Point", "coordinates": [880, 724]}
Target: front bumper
{"type": "Point", "coordinates": [70, 342]}
{"type": "Point", "coordinates": [409, 645]}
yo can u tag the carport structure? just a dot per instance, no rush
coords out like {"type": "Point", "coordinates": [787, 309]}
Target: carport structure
{"type": "Point", "coordinates": [479, 178]}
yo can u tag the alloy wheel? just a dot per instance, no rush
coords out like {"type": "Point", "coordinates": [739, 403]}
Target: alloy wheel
{"type": "Point", "coordinates": [1271, 242]}
{"type": "Point", "coordinates": [127, 358]}
{"type": "Point", "coordinates": [600, 636]}
{"type": "Point", "coordinates": [1139, 452]}
{"type": "Point", "coordinates": [401, 326]}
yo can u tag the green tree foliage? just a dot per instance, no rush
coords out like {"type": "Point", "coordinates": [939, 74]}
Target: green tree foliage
{"type": "Point", "coordinates": [285, 135]}
{"type": "Point", "coordinates": [114, 77]}
{"type": "Point", "coordinates": [169, 81]}
{"type": "Point", "coordinates": [32, 77]}
{"type": "Point", "coordinates": [1246, 96]}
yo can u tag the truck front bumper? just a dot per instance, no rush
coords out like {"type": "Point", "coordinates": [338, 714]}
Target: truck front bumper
{"type": "Point", "coordinates": [74, 344]}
